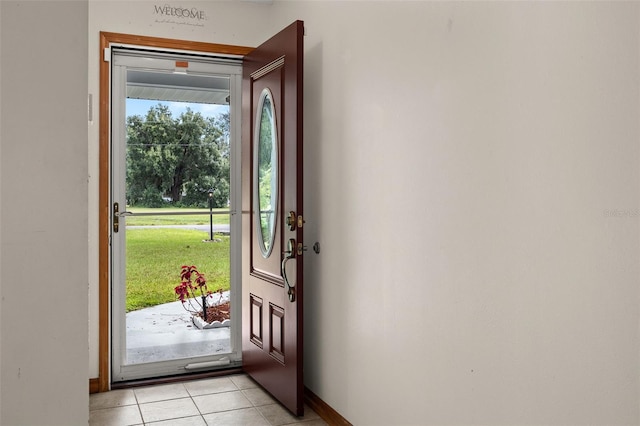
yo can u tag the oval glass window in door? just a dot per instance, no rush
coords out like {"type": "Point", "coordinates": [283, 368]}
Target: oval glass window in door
{"type": "Point", "coordinates": [266, 172]}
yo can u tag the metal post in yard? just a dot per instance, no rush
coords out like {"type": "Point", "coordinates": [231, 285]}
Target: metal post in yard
{"type": "Point", "coordinates": [211, 214]}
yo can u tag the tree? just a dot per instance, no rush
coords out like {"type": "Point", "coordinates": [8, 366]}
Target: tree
{"type": "Point", "coordinates": [177, 159]}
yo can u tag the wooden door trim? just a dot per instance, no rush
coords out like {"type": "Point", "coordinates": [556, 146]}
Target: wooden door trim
{"type": "Point", "coordinates": [106, 40]}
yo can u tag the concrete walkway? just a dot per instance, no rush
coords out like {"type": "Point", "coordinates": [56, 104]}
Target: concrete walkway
{"type": "Point", "coordinates": [166, 332]}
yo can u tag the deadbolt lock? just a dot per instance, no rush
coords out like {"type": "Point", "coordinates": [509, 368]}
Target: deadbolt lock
{"type": "Point", "coordinates": [294, 221]}
{"type": "Point", "coordinates": [291, 221]}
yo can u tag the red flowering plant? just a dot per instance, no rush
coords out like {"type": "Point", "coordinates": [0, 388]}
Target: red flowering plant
{"type": "Point", "coordinates": [193, 289]}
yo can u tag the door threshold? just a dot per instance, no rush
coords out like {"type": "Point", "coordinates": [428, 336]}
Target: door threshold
{"type": "Point", "coordinates": [176, 378]}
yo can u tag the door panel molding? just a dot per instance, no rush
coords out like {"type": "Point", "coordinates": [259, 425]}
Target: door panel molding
{"type": "Point", "coordinates": [267, 269]}
{"type": "Point", "coordinates": [255, 320]}
{"type": "Point", "coordinates": [276, 333]}
{"type": "Point", "coordinates": [108, 39]}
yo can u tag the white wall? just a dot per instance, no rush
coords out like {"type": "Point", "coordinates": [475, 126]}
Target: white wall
{"type": "Point", "coordinates": [472, 177]}
{"type": "Point", "coordinates": [462, 162]}
{"type": "Point", "coordinates": [43, 205]}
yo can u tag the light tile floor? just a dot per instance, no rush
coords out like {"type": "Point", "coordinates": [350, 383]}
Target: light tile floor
{"type": "Point", "coordinates": [231, 400]}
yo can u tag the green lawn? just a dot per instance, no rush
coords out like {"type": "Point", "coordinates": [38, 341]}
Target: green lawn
{"type": "Point", "coordinates": [155, 257]}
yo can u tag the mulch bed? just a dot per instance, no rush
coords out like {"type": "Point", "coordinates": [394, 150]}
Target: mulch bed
{"type": "Point", "coordinates": [219, 312]}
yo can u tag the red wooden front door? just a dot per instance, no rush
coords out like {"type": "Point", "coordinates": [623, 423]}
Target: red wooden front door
{"type": "Point", "coordinates": [272, 278]}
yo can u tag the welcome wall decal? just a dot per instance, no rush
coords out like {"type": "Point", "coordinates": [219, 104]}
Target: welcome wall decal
{"type": "Point", "coordinates": [167, 14]}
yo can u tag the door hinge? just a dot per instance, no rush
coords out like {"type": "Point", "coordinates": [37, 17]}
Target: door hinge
{"type": "Point", "coordinates": [107, 54]}
{"type": "Point", "coordinates": [90, 108]}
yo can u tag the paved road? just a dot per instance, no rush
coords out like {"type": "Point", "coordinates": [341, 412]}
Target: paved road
{"type": "Point", "coordinates": [224, 229]}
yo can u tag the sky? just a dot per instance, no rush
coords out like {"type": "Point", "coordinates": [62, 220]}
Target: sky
{"type": "Point", "coordinates": [141, 107]}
